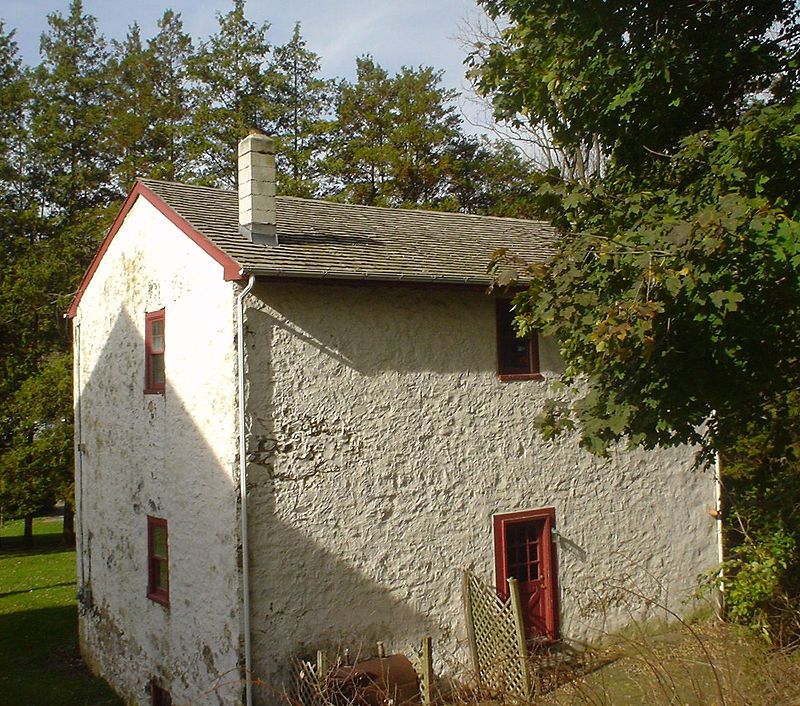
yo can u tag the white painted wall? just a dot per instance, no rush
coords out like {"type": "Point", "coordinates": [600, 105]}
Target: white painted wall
{"type": "Point", "coordinates": [382, 444]}
{"type": "Point", "coordinates": [171, 456]}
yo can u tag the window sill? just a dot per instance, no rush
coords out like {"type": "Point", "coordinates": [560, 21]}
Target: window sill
{"type": "Point", "coordinates": [154, 391]}
{"type": "Point", "coordinates": [159, 597]}
{"type": "Point", "coordinates": [511, 377]}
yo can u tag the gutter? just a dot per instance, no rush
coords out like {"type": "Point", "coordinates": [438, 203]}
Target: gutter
{"type": "Point", "coordinates": [388, 278]}
{"type": "Point", "coordinates": [248, 649]}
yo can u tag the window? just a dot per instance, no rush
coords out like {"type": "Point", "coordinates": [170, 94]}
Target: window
{"type": "Point", "coordinates": [159, 696]}
{"type": "Point", "coordinates": [517, 358]}
{"type": "Point", "coordinates": [157, 560]}
{"type": "Point", "coordinates": [154, 372]}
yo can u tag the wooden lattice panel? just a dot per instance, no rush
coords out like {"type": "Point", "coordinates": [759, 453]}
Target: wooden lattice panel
{"type": "Point", "coordinates": [499, 647]}
{"type": "Point", "coordinates": [308, 688]}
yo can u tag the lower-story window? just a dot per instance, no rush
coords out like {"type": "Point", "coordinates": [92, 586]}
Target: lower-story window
{"type": "Point", "coordinates": [157, 560]}
{"type": "Point", "coordinates": [159, 696]}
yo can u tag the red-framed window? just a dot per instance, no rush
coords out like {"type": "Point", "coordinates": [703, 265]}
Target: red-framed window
{"type": "Point", "coordinates": [159, 696]}
{"type": "Point", "coordinates": [155, 378]}
{"type": "Point", "coordinates": [157, 560]}
{"type": "Point", "coordinates": [517, 358]}
{"type": "Point", "coordinates": [524, 549]}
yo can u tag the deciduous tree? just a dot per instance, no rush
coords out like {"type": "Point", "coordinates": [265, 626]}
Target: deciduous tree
{"type": "Point", "coordinates": [635, 75]}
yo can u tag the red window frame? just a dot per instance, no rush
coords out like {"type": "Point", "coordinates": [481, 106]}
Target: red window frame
{"type": "Point", "coordinates": [157, 587]}
{"type": "Point", "coordinates": [510, 345]}
{"type": "Point", "coordinates": [548, 568]}
{"type": "Point", "coordinates": [151, 384]}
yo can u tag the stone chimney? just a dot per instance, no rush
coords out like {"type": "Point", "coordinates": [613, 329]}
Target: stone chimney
{"type": "Point", "coordinates": [257, 189]}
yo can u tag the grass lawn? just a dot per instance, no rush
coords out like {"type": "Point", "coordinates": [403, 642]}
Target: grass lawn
{"type": "Point", "coordinates": [39, 660]}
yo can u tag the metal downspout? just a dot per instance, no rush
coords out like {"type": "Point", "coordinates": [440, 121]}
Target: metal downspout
{"type": "Point", "coordinates": [76, 341]}
{"type": "Point", "coordinates": [720, 534]}
{"type": "Point", "coordinates": [248, 657]}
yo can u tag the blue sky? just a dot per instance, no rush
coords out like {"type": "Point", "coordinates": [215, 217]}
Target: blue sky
{"type": "Point", "coordinates": [395, 32]}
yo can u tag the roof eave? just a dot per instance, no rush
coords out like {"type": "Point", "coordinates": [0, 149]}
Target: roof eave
{"type": "Point", "coordinates": [381, 277]}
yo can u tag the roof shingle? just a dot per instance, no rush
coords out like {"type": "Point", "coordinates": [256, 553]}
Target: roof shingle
{"type": "Point", "coordinates": [322, 239]}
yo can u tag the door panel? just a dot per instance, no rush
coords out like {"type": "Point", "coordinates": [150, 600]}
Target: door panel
{"type": "Point", "coordinates": [524, 550]}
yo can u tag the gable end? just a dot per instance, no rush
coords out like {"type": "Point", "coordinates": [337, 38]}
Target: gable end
{"type": "Point", "coordinates": [231, 269]}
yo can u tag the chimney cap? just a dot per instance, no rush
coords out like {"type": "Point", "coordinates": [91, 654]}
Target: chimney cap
{"type": "Point", "coordinates": [256, 142]}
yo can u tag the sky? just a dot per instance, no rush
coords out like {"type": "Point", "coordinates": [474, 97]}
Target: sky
{"type": "Point", "coordinates": [395, 32]}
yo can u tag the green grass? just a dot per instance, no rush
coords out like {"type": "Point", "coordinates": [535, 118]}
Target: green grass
{"type": "Point", "coordinates": [42, 527]}
{"type": "Point", "coordinates": [39, 660]}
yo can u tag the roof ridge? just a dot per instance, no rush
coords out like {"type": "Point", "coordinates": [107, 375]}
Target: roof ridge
{"type": "Point", "coordinates": [393, 209]}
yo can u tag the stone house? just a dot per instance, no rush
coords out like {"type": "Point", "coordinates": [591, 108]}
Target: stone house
{"type": "Point", "coordinates": [296, 423]}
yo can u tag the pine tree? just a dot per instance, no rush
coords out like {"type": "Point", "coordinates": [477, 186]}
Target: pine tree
{"type": "Point", "coordinates": [14, 97]}
{"type": "Point", "coordinates": [152, 98]}
{"type": "Point", "coordinates": [426, 124]}
{"type": "Point", "coordinates": [67, 174]}
{"type": "Point", "coordinates": [170, 51]}
{"type": "Point", "coordinates": [71, 159]}
{"type": "Point", "coordinates": [490, 178]}
{"type": "Point", "coordinates": [133, 107]}
{"type": "Point", "coordinates": [304, 101]}
{"type": "Point", "coordinates": [232, 82]}
{"type": "Point", "coordinates": [392, 136]}
{"type": "Point", "coordinates": [361, 155]}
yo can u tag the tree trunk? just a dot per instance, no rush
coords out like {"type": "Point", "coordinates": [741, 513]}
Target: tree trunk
{"type": "Point", "coordinates": [68, 529]}
{"type": "Point", "coordinates": [27, 538]}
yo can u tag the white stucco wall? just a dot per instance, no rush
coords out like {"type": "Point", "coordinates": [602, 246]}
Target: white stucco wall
{"type": "Point", "coordinates": [170, 456]}
{"type": "Point", "coordinates": [382, 444]}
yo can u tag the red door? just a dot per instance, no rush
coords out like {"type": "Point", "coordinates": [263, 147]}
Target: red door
{"type": "Point", "coordinates": [524, 550]}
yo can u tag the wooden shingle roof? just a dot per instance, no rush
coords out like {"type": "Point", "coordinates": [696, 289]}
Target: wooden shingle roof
{"type": "Point", "coordinates": [324, 239]}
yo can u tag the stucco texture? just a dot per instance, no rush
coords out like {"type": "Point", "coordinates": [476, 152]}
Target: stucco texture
{"type": "Point", "coordinates": [381, 444]}
{"type": "Point", "coordinates": [168, 455]}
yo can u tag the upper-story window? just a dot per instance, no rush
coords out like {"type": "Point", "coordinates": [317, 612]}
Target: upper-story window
{"type": "Point", "coordinates": [517, 358]}
{"type": "Point", "coordinates": [154, 372]}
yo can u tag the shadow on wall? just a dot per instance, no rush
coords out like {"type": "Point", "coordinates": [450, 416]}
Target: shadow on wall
{"type": "Point", "coordinates": [334, 320]}
{"type": "Point", "coordinates": [155, 455]}
{"type": "Point", "coordinates": [304, 595]}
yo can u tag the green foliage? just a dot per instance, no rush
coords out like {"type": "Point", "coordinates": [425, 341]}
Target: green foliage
{"type": "Point", "coordinates": [70, 150]}
{"type": "Point", "coordinates": [14, 95]}
{"type": "Point", "coordinates": [489, 178]}
{"type": "Point", "coordinates": [151, 85]}
{"type": "Point", "coordinates": [674, 298]}
{"type": "Point", "coordinates": [757, 571]}
{"type": "Point", "coordinates": [636, 75]}
{"type": "Point", "coordinates": [36, 463]}
{"type": "Point", "coordinates": [233, 81]}
{"type": "Point", "coordinates": [762, 483]}
{"type": "Point", "coordinates": [361, 153]}
{"type": "Point", "coordinates": [302, 127]}
{"type": "Point", "coordinates": [392, 136]}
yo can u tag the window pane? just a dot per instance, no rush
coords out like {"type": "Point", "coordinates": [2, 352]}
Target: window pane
{"type": "Point", "coordinates": [157, 373]}
{"type": "Point", "coordinates": [157, 336]}
{"type": "Point", "coordinates": [159, 541]}
{"type": "Point", "coordinates": [163, 574]}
